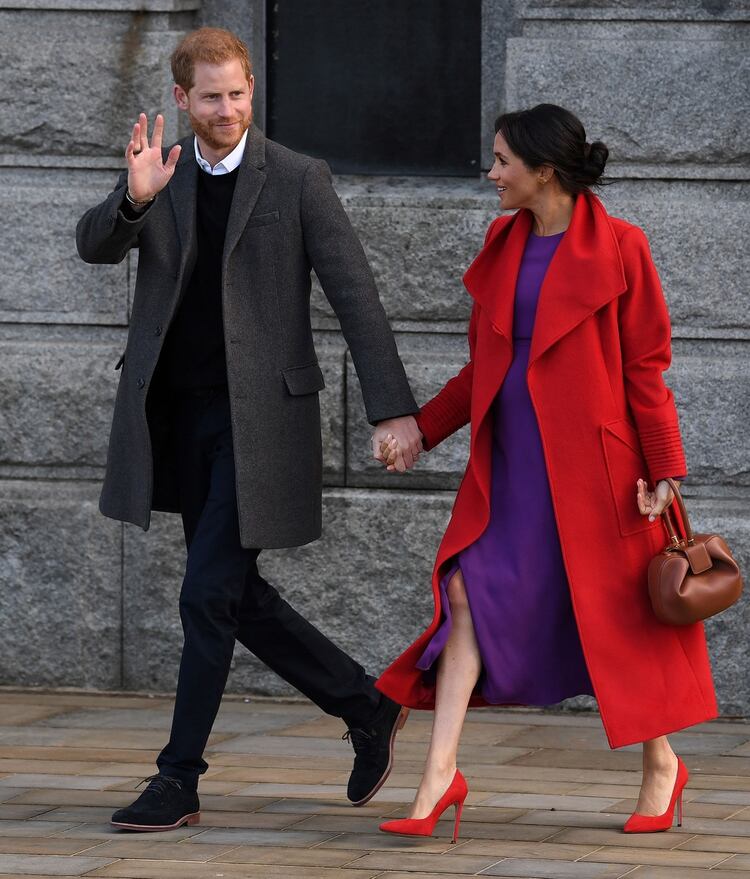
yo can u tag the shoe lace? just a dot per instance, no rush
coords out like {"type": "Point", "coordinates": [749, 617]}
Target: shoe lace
{"type": "Point", "coordinates": [359, 739]}
{"type": "Point", "coordinates": [159, 784]}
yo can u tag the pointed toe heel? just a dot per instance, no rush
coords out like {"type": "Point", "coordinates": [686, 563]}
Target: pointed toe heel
{"type": "Point", "coordinates": [656, 823]}
{"type": "Point", "coordinates": [454, 796]}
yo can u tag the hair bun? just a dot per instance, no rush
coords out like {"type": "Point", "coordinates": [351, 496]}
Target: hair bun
{"type": "Point", "coordinates": [595, 158]}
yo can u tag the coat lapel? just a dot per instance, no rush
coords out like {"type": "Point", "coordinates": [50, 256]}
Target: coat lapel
{"type": "Point", "coordinates": [585, 273]}
{"type": "Point", "coordinates": [491, 278]}
{"type": "Point", "coordinates": [182, 190]}
{"type": "Point", "coordinates": [250, 181]}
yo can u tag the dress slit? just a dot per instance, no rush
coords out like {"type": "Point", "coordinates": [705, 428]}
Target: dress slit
{"type": "Point", "coordinates": [514, 574]}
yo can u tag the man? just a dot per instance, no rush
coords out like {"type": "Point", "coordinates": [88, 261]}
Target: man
{"type": "Point", "coordinates": [217, 413]}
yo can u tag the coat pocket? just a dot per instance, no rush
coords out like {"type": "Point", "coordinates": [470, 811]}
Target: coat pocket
{"type": "Point", "coordinates": [305, 379]}
{"type": "Point", "coordinates": [625, 465]}
{"type": "Point", "coordinates": [262, 219]}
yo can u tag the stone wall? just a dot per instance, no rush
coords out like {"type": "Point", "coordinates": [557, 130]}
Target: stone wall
{"type": "Point", "coordinates": [89, 602]}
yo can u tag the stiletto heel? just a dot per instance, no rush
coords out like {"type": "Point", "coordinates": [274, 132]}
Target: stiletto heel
{"type": "Point", "coordinates": [459, 809]}
{"type": "Point", "coordinates": [654, 823]}
{"type": "Point", "coordinates": [455, 795]}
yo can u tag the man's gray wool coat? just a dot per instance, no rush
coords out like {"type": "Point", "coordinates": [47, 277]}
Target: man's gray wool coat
{"type": "Point", "coordinates": [284, 220]}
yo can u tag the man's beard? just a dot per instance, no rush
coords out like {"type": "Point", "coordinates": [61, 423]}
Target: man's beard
{"type": "Point", "coordinates": [209, 134]}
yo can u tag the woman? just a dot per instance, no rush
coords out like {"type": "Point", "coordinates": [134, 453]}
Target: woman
{"type": "Point", "coordinates": [539, 582]}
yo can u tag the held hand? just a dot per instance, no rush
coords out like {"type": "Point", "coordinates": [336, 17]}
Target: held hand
{"type": "Point", "coordinates": [389, 451]}
{"type": "Point", "coordinates": [147, 172]}
{"type": "Point", "coordinates": [653, 503]}
{"type": "Point", "coordinates": [408, 440]}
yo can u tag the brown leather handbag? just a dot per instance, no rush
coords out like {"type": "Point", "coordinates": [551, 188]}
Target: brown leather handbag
{"type": "Point", "coordinates": [695, 576]}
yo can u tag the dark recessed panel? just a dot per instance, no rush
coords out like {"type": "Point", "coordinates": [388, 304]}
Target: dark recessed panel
{"type": "Point", "coordinates": [377, 86]}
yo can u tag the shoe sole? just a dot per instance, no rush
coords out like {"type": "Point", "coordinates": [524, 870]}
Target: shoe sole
{"type": "Point", "coordinates": [399, 724]}
{"type": "Point", "coordinates": [190, 820]}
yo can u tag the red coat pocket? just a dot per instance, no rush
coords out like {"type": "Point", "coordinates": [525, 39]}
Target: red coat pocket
{"type": "Point", "coordinates": [625, 465]}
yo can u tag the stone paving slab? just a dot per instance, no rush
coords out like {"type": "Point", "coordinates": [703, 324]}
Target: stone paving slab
{"type": "Point", "coordinates": [542, 869]}
{"type": "Point", "coordinates": [134, 869]}
{"type": "Point", "coordinates": [547, 797]}
{"type": "Point", "coordinates": [18, 813]}
{"type": "Point", "coordinates": [51, 865]}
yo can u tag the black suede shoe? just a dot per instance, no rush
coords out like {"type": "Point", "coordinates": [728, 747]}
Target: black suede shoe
{"type": "Point", "coordinates": [164, 805]}
{"type": "Point", "coordinates": [373, 751]}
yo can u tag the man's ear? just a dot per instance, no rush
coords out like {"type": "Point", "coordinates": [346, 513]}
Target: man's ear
{"type": "Point", "coordinates": [180, 96]}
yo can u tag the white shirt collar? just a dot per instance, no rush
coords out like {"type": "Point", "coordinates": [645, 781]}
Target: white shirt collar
{"type": "Point", "coordinates": [227, 164]}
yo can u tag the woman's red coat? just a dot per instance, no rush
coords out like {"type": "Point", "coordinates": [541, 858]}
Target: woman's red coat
{"type": "Point", "coordinates": [600, 344]}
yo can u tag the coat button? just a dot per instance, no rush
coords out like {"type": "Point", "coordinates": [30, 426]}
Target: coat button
{"type": "Point", "coordinates": [157, 331]}
{"type": "Point", "coordinates": [141, 383]}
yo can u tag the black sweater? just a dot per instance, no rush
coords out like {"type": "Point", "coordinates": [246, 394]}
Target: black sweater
{"type": "Point", "coordinates": [193, 355]}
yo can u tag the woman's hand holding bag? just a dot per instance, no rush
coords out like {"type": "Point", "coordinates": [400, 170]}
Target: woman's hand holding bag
{"type": "Point", "coordinates": [695, 576]}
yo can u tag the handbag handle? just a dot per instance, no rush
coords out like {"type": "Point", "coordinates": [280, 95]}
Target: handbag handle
{"type": "Point", "coordinates": [675, 539]}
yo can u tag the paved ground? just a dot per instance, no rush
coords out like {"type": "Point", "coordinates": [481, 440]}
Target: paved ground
{"type": "Point", "coordinates": [548, 798]}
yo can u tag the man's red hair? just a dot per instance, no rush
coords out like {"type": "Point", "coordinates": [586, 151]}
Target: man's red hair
{"type": "Point", "coordinates": [211, 45]}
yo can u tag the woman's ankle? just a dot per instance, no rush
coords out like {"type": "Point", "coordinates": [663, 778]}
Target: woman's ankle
{"type": "Point", "coordinates": [440, 770]}
{"type": "Point", "coordinates": [661, 761]}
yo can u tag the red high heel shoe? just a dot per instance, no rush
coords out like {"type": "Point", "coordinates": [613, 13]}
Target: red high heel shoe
{"type": "Point", "coordinates": [653, 823]}
{"type": "Point", "coordinates": [454, 796]}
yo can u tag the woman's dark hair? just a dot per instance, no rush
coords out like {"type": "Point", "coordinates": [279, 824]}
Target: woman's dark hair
{"type": "Point", "coordinates": [551, 135]}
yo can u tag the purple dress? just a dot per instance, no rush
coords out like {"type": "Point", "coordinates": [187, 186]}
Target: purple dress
{"type": "Point", "coordinates": [514, 574]}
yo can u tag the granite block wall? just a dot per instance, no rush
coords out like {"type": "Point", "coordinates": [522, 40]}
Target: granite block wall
{"type": "Point", "coordinates": [92, 603]}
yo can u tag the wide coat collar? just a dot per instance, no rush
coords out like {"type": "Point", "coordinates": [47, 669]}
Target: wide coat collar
{"type": "Point", "coordinates": [585, 273]}
{"type": "Point", "coordinates": [184, 186]}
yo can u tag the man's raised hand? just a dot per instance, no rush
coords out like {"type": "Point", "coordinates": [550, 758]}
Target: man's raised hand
{"type": "Point", "coordinates": [148, 173]}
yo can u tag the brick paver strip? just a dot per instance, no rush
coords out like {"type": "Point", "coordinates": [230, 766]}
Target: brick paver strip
{"type": "Point", "coordinates": [539, 869]}
{"type": "Point", "coordinates": [678, 873]}
{"type": "Point", "coordinates": [293, 857]}
{"type": "Point", "coordinates": [47, 845]}
{"type": "Point", "coordinates": [101, 832]}
{"type": "Point", "coordinates": [423, 863]}
{"type": "Point", "coordinates": [51, 865]}
{"type": "Point", "coordinates": [736, 862]}
{"type": "Point", "coordinates": [76, 782]}
{"type": "Point", "coordinates": [134, 869]}
{"type": "Point", "coordinates": [133, 846]}
{"type": "Point", "coordinates": [725, 844]}
{"type": "Point", "coordinates": [32, 828]}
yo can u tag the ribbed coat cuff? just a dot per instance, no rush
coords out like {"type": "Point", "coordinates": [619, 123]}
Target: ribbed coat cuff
{"type": "Point", "coordinates": [439, 418]}
{"type": "Point", "coordinates": [663, 451]}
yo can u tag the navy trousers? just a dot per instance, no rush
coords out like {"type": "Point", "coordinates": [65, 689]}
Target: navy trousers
{"type": "Point", "coordinates": [224, 599]}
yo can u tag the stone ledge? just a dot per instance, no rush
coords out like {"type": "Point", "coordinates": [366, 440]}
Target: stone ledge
{"type": "Point", "coordinates": [103, 5]}
{"type": "Point", "coordinates": [323, 322]}
{"type": "Point", "coordinates": [42, 160]}
{"type": "Point", "coordinates": [405, 191]}
{"type": "Point", "coordinates": [676, 171]}
{"type": "Point", "coordinates": [636, 10]}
